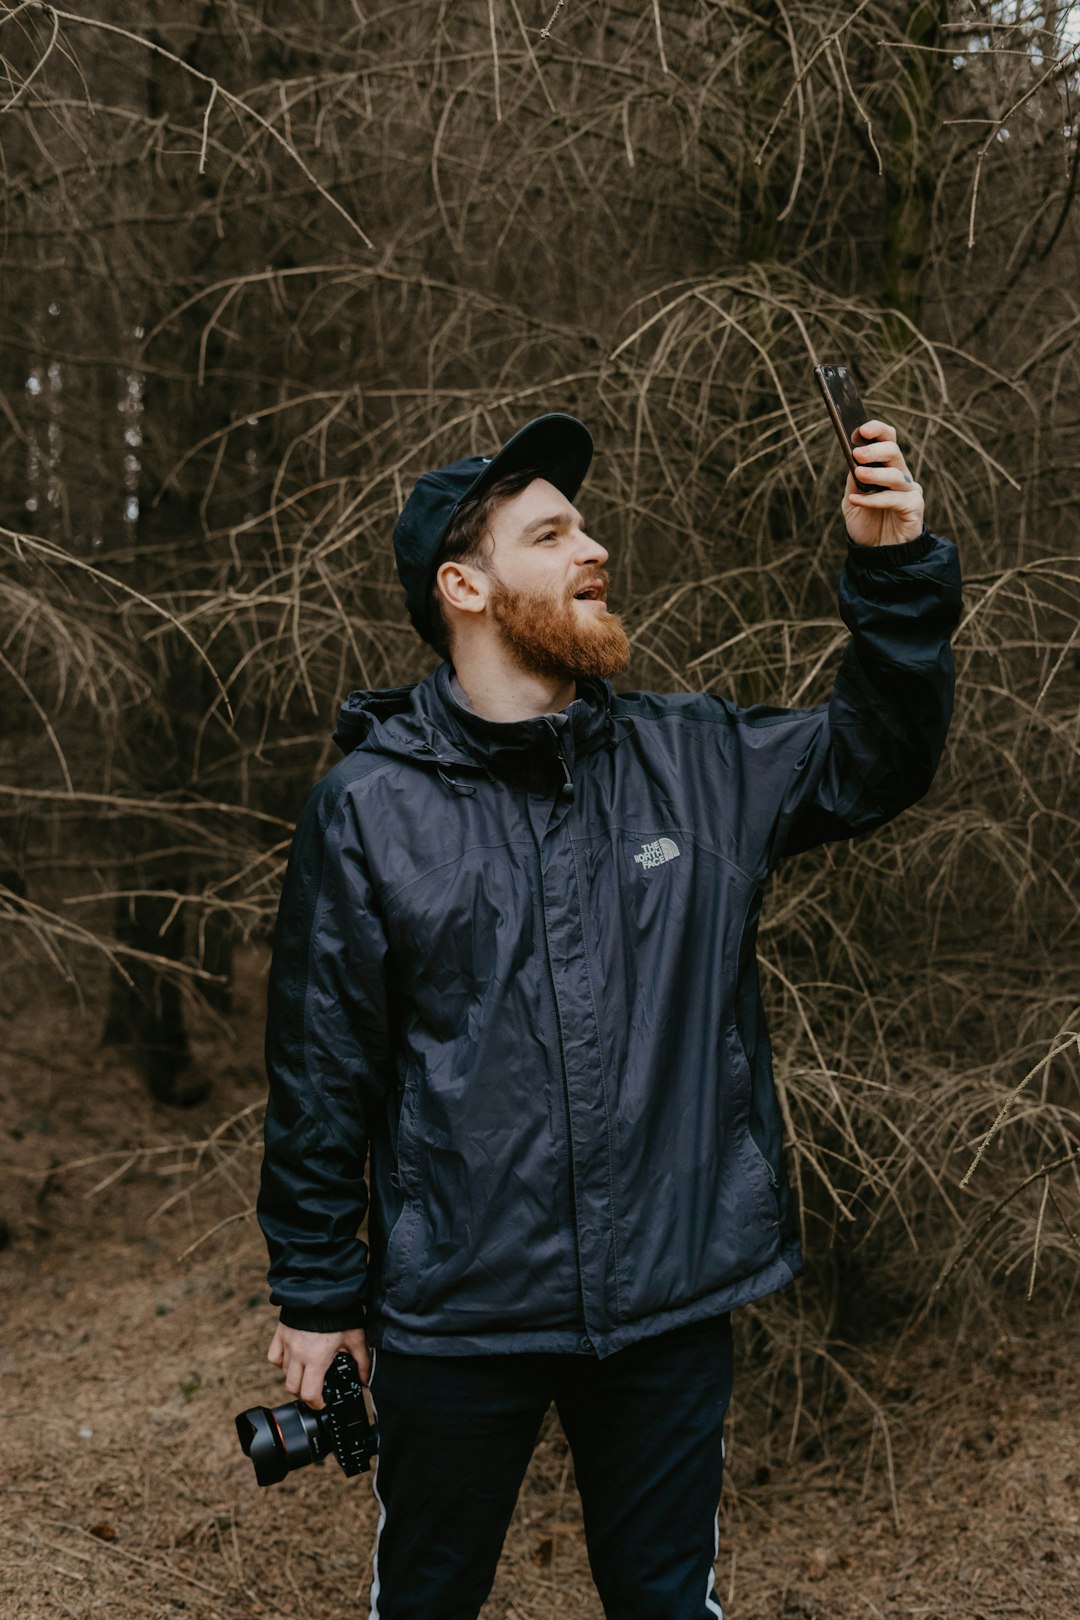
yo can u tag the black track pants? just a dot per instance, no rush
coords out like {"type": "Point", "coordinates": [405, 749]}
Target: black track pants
{"type": "Point", "coordinates": [645, 1428]}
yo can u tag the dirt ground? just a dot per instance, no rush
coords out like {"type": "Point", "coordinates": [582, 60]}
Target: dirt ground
{"type": "Point", "coordinates": [123, 1491]}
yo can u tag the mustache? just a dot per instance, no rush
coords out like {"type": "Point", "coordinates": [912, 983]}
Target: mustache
{"type": "Point", "coordinates": [589, 576]}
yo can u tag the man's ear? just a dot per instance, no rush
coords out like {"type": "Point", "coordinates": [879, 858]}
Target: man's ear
{"type": "Point", "coordinates": [463, 586]}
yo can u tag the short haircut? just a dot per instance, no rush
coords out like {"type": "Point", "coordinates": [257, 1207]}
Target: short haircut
{"type": "Point", "coordinates": [468, 539]}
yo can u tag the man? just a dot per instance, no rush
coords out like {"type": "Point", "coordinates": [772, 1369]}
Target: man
{"type": "Point", "coordinates": [515, 964]}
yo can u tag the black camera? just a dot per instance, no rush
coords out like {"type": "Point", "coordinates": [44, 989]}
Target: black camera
{"type": "Point", "coordinates": [281, 1438]}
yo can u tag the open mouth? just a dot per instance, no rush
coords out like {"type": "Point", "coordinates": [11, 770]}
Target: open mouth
{"type": "Point", "coordinates": [591, 593]}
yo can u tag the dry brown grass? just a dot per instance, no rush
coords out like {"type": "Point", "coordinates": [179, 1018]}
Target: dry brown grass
{"type": "Point", "coordinates": [945, 1482]}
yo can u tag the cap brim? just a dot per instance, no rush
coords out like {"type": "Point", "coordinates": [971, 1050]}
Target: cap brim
{"type": "Point", "coordinates": [558, 445]}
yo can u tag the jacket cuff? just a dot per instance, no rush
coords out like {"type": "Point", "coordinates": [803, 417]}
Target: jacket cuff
{"type": "Point", "coordinates": [321, 1321]}
{"type": "Point", "coordinates": [895, 556]}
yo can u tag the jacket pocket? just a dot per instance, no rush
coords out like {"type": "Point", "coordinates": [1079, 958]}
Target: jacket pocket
{"type": "Point", "coordinates": [399, 1247]}
{"type": "Point", "coordinates": [398, 1257]}
{"type": "Point", "coordinates": [761, 1175]}
{"type": "Point", "coordinates": [405, 1145]}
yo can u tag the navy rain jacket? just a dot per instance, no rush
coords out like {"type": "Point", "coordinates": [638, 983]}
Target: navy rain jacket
{"type": "Point", "coordinates": [515, 967]}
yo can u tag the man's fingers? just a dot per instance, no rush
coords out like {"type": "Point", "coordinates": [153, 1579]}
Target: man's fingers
{"type": "Point", "coordinates": [893, 477]}
{"type": "Point", "coordinates": [311, 1385]}
{"type": "Point", "coordinates": [890, 481]}
{"type": "Point", "coordinates": [877, 430]}
{"type": "Point", "coordinates": [304, 1358]}
{"type": "Point", "coordinates": [304, 1379]}
{"type": "Point", "coordinates": [354, 1341]}
{"type": "Point", "coordinates": [885, 452]}
{"type": "Point", "coordinates": [890, 500]}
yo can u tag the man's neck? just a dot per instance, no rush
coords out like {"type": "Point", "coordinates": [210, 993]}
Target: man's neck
{"type": "Point", "coordinates": [504, 694]}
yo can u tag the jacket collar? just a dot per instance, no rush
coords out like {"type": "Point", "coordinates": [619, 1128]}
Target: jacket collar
{"type": "Point", "coordinates": [580, 727]}
{"type": "Point", "coordinates": [426, 721]}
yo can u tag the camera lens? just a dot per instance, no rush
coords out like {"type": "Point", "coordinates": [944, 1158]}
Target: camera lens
{"type": "Point", "coordinates": [279, 1439]}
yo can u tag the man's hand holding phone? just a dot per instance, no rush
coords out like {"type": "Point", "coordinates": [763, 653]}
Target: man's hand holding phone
{"type": "Point", "coordinates": [895, 513]}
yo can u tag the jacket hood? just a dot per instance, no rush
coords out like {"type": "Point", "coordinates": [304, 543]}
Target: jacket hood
{"type": "Point", "coordinates": [425, 722]}
{"type": "Point", "coordinates": [362, 711]}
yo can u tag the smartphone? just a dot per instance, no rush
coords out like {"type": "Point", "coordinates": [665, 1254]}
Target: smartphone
{"type": "Point", "coordinates": [848, 413]}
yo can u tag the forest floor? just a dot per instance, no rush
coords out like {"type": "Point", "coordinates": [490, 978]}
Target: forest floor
{"type": "Point", "coordinates": [123, 1491]}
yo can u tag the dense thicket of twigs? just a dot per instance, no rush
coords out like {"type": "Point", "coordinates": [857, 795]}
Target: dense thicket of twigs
{"type": "Point", "coordinates": [265, 263]}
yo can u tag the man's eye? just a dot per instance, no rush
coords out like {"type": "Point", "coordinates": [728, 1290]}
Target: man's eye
{"type": "Point", "coordinates": [543, 537]}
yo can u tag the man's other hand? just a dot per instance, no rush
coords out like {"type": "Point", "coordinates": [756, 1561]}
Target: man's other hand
{"type": "Point", "coordinates": [305, 1357]}
{"type": "Point", "coordinates": [896, 514]}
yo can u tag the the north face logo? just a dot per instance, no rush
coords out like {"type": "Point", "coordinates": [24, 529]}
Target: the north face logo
{"type": "Point", "coordinates": [656, 853]}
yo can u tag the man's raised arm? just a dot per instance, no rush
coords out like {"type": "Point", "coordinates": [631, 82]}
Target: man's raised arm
{"type": "Point", "coordinates": [876, 745]}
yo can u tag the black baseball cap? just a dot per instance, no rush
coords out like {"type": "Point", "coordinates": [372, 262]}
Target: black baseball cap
{"type": "Point", "coordinates": [559, 445]}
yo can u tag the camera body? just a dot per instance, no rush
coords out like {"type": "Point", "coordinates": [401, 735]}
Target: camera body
{"type": "Point", "coordinates": [279, 1439]}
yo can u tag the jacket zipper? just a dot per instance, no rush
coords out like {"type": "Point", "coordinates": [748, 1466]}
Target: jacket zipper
{"type": "Point", "coordinates": [565, 793]}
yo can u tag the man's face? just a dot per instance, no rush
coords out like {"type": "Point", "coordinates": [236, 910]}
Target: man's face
{"type": "Point", "coordinates": [547, 589]}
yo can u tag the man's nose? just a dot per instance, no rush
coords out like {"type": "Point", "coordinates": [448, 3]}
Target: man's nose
{"type": "Point", "coordinates": [589, 552]}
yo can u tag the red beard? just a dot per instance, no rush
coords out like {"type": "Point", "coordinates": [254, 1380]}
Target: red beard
{"type": "Point", "coordinates": [546, 635]}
